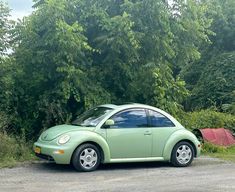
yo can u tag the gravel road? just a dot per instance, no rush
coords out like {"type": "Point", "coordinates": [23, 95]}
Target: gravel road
{"type": "Point", "coordinates": [205, 174]}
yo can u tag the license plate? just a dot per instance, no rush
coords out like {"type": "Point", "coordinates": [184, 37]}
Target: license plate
{"type": "Point", "coordinates": [37, 150]}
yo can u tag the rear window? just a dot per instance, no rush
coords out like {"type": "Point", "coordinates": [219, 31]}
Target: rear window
{"type": "Point", "coordinates": [159, 120]}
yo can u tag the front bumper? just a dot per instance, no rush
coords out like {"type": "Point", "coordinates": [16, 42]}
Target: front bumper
{"type": "Point", "coordinates": [50, 152]}
{"type": "Point", "coordinates": [46, 157]}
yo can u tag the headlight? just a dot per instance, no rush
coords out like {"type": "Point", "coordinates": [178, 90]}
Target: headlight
{"type": "Point", "coordinates": [64, 139]}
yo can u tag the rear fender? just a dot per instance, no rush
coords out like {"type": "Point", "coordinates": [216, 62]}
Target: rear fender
{"type": "Point", "coordinates": [176, 137]}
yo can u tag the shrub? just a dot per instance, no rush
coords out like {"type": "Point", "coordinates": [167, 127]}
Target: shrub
{"type": "Point", "coordinates": [210, 148]}
{"type": "Point", "coordinates": [207, 119]}
{"type": "Point", "coordinates": [4, 121]}
{"type": "Point", "coordinates": [13, 149]}
{"type": "Point", "coordinates": [226, 153]}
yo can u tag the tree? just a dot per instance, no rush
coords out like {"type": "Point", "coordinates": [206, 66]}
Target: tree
{"type": "Point", "coordinates": [223, 25]}
{"type": "Point", "coordinates": [7, 71]}
{"type": "Point", "coordinates": [216, 85]}
{"type": "Point", "coordinates": [53, 54]}
{"type": "Point", "coordinates": [222, 45]}
{"type": "Point", "coordinates": [72, 55]}
{"type": "Point", "coordinates": [5, 27]}
{"type": "Point", "coordinates": [143, 40]}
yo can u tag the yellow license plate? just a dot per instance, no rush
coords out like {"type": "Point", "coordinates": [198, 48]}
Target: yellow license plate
{"type": "Point", "coordinates": [37, 150]}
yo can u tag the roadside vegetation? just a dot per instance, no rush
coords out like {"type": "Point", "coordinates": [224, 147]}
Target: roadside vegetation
{"type": "Point", "coordinates": [14, 150]}
{"type": "Point", "coordinates": [70, 55]}
{"type": "Point", "coordinates": [209, 118]}
{"type": "Point", "coordinates": [225, 153]}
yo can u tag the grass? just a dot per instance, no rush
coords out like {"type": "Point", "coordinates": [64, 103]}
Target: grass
{"type": "Point", "coordinates": [13, 150]}
{"type": "Point", "coordinates": [225, 153]}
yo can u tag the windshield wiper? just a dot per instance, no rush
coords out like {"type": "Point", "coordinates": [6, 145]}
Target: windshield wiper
{"type": "Point", "coordinates": [76, 124]}
{"type": "Point", "coordinates": [88, 125]}
{"type": "Point", "coordinates": [82, 125]}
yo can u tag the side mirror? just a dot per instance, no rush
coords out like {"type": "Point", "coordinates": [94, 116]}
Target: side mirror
{"type": "Point", "coordinates": [108, 123]}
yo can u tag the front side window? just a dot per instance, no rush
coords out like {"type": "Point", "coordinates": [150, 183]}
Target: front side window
{"type": "Point", "coordinates": [131, 118]}
{"type": "Point", "coordinates": [159, 120]}
{"type": "Point", "coordinates": [92, 117]}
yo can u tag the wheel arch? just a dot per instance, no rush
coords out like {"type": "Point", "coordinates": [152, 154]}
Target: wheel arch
{"type": "Point", "coordinates": [93, 143]}
{"type": "Point", "coordinates": [82, 137]}
{"type": "Point", "coordinates": [176, 137]}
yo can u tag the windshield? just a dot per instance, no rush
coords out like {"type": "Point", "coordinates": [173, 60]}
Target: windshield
{"type": "Point", "coordinates": [92, 117]}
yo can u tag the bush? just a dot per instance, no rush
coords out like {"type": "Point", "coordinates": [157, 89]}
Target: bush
{"type": "Point", "coordinates": [4, 121]}
{"type": "Point", "coordinates": [207, 119]}
{"type": "Point", "coordinates": [210, 148]}
{"type": "Point", "coordinates": [226, 153]}
{"type": "Point", "coordinates": [13, 149]}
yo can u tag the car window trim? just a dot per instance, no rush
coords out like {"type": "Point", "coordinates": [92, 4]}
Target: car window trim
{"type": "Point", "coordinates": [150, 120]}
{"type": "Point", "coordinates": [103, 126]}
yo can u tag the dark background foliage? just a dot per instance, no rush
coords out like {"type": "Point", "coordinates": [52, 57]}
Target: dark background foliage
{"type": "Point", "coordinates": [70, 55]}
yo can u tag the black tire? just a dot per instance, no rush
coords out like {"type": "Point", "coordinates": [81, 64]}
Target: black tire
{"type": "Point", "coordinates": [182, 154]}
{"type": "Point", "coordinates": [86, 158]}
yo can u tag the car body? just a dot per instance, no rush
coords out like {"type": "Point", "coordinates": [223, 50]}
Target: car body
{"type": "Point", "coordinates": [119, 133]}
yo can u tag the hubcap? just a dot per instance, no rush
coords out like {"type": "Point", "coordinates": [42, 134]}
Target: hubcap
{"type": "Point", "coordinates": [183, 154]}
{"type": "Point", "coordinates": [88, 158]}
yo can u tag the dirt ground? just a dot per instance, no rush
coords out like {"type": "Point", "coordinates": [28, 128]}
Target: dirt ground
{"type": "Point", "coordinates": [205, 174]}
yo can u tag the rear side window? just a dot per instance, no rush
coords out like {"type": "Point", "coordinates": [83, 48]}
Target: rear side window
{"type": "Point", "coordinates": [131, 118]}
{"type": "Point", "coordinates": [159, 120]}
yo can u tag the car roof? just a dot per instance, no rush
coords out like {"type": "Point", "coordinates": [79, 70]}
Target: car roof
{"type": "Point", "coordinates": [112, 106]}
{"type": "Point", "coordinates": [126, 106]}
{"type": "Point", "coordinates": [117, 108]}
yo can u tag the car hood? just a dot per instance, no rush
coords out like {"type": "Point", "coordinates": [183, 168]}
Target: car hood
{"type": "Point", "coordinates": [58, 130]}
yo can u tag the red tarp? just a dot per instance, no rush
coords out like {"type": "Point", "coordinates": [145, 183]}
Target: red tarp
{"type": "Point", "coordinates": [219, 136]}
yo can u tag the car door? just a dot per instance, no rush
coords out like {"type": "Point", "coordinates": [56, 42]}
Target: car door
{"type": "Point", "coordinates": [130, 136]}
{"type": "Point", "coordinates": [161, 128]}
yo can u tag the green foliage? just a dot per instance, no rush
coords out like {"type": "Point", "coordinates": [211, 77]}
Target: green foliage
{"type": "Point", "coordinates": [207, 119]}
{"type": "Point", "coordinates": [138, 48]}
{"type": "Point", "coordinates": [5, 29]}
{"type": "Point", "coordinates": [3, 121]}
{"type": "Point", "coordinates": [7, 68]}
{"type": "Point", "coordinates": [210, 148]}
{"type": "Point", "coordinates": [166, 93]}
{"type": "Point", "coordinates": [54, 80]}
{"type": "Point", "coordinates": [223, 25]}
{"type": "Point", "coordinates": [226, 153]}
{"type": "Point", "coordinates": [211, 79]}
{"type": "Point", "coordinates": [13, 150]}
{"type": "Point", "coordinates": [217, 88]}
{"type": "Point", "coordinates": [7, 82]}
{"type": "Point", "coordinates": [229, 108]}
{"type": "Point", "coordinates": [71, 55]}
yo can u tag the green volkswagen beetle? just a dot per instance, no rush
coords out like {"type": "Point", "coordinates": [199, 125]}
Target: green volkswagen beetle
{"type": "Point", "coordinates": [118, 133]}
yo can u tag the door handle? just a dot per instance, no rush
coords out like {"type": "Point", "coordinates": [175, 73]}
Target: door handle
{"type": "Point", "coordinates": [147, 133]}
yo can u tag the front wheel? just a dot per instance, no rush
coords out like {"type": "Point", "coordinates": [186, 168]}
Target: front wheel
{"type": "Point", "coordinates": [86, 158]}
{"type": "Point", "coordinates": [182, 154]}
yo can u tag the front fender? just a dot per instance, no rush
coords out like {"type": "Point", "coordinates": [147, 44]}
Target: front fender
{"type": "Point", "coordinates": [77, 138]}
{"type": "Point", "coordinates": [176, 137]}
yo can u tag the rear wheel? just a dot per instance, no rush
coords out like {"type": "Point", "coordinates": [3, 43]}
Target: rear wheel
{"type": "Point", "coordinates": [86, 158]}
{"type": "Point", "coordinates": [182, 154]}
